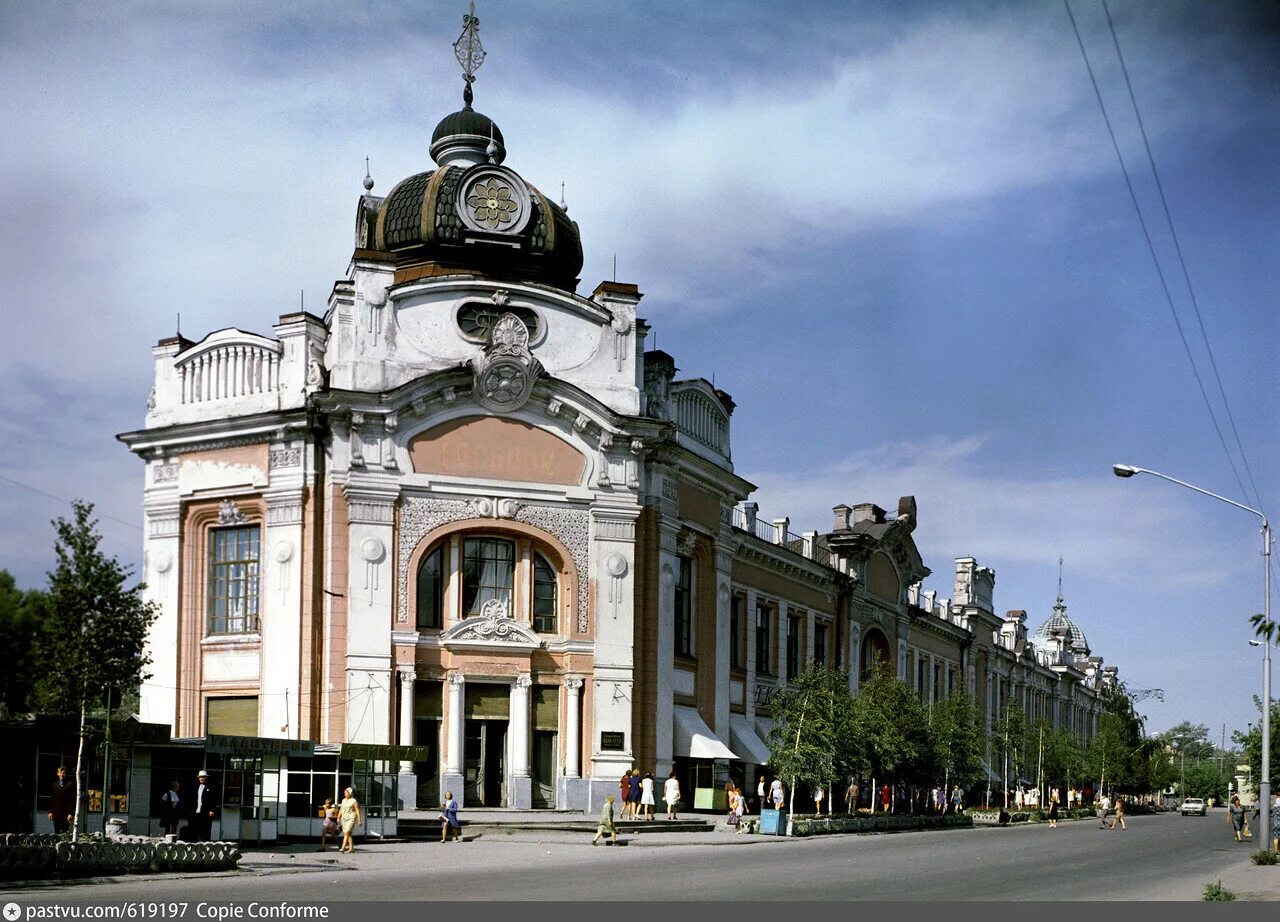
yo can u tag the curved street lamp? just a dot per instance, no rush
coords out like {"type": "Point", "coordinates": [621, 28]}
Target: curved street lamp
{"type": "Point", "coordinates": [1264, 785]}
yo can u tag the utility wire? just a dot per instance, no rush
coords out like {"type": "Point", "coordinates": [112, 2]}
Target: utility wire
{"type": "Point", "coordinates": [1186, 275]}
{"type": "Point", "coordinates": [1146, 233]}
{"type": "Point", "coordinates": [101, 515]}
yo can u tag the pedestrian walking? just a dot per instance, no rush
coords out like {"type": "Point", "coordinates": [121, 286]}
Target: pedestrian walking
{"type": "Point", "coordinates": [1275, 825]}
{"type": "Point", "coordinates": [624, 793]}
{"type": "Point", "coordinates": [449, 819]}
{"type": "Point", "coordinates": [761, 788]}
{"type": "Point", "coordinates": [646, 795]}
{"type": "Point", "coordinates": [730, 800]}
{"type": "Point", "coordinates": [1053, 812]}
{"type": "Point", "coordinates": [170, 804]}
{"type": "Point", "coordinates": [671, 795]}
{"type": "Point", "coordinates": [62, 801]}
{"type": "Point", "coordinates": [1104, 807]}
{"type": "Point", "coordinates": [1118, 815]}
{"type": "Point", "coordinates": [633, 793]}
{"type": "Point", "coordinates": [349, 817]}
{"type": "Point", "coordinates": [200, 826]}
{"type": "Point", "coordinates": [957, 800]}
{"type": "Point", "coordinates": [818, 794]}
{"type": "Point", "coordinates": [1236, 817]}
{"type": "Point", "coordinates": [329, 823]}
{"type": "Point", "coordinates": [886, 798]}
{"type": "Point", "coordinates": [606, 825]}
{"type": "Point", "coordinates": [737, 808]}
{"type": "Point", "coordinates": [777, 793]}
{"type": "Point", "coordinates": [851, 798]}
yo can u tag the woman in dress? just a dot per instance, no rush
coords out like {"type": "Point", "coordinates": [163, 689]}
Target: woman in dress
{"type": "Point", "coordinates": [1053, 812]}
{"type": "Point", "coordinates": [624, 793]}
{"type": "Point", "coordinates": [739, 809]}
{"type": "Point", "coordinates": [329, 813]}
{"type": "Point", "coordinates": [646, 795]}
{"type": "Point", "coordinates": [1235, 816]}
{"type": "Point", "coordinates": [1118, 817]}
{"type": "Point", "coordinates": [449, 819]}
{"type": "Point", "coordinates": [671, 794]}
{"type": "Point", "coordinates": [606, 826]}
{"type": "Point", "coordinates": [633, 793]}
{"type": "Point", "coordinates": [349, 817]}
{"type": "Point", "coordinates": [818, 794]}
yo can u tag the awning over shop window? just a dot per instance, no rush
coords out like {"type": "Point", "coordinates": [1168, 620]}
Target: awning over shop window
{"type": "Point", "coordinates": [746, 741]}
{"type": "Point", "coordinates": [695, 739]}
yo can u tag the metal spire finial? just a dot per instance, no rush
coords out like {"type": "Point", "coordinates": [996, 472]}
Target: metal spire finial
{"type": "Point", "coordinates": [368, 177]}
{"type": "Point", "coordinates": [563, 205]}
{"type": "Point", "coordinates": [469, 51]}
{"type": "Point", "coordinates": [1059, 606]}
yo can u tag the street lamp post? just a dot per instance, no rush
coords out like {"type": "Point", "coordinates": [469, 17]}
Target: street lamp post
{"type": "Point", "coordinates": [1264, 785]}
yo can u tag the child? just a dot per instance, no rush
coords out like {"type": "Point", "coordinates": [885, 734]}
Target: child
{"type": "Point", "coordinates": [330, 825]}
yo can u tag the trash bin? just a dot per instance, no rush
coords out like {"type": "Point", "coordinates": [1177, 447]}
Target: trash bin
{"type": "Point", "coordinates": [773, 822]}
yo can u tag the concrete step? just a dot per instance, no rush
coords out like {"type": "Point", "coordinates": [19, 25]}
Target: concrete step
{"type": "Point", "coordinates": [430, 829]}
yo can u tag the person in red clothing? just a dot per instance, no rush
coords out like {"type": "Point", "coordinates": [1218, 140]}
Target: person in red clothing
{"type": "Point", "coordinates": [886, 797]}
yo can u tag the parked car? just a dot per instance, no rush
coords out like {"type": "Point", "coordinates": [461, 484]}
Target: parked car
{"type": "Point", "coordinates": [1194, 805]}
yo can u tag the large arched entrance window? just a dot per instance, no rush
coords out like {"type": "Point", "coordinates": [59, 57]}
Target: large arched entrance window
{"type": "Point", "coordinates": [521, 574]}
{"type": "Point", "coordinates": [875, 652]}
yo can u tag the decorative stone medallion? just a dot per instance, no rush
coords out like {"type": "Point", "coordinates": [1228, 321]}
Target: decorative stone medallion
{"type": "Point", "coordinates": [505, 373]}
{"type": "Point", "coordinates": [494, 200]}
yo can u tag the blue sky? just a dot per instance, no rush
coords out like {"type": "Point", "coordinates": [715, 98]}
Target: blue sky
{"type": "Point", "coordinates": [896, 233]}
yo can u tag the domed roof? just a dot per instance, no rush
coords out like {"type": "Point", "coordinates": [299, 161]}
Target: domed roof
{"type": "Point", "coordinates": [466, 128]}
{"type": "Point", "coordinates": [478, 218]}
{"type": "Point", "coordinates": [1073, 639]}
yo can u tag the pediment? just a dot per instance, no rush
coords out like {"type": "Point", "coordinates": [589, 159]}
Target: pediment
{"type": "Point", "coordinates": [492, 628]}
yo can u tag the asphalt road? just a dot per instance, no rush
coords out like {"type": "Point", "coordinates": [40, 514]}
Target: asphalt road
{"type": "Point", "coordinates": [1158, 857]}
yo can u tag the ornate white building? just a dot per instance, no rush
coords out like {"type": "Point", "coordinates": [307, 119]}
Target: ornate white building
{"type": "Point", "coordinates": [465, 510]}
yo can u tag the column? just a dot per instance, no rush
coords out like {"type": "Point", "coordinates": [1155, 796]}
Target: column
{"type": "Point", "coordinates": [780, 647]}
{"type": "Point", "coordinates": [451, 776]}
{"type": "Point", "coordinates": [749, 691]}
{"type": "Point", "coordinates": [572, 726]}
{"type": "Point", "coordinates": [521, 787]}
{"type": "Point", "coordinates": [406, 780]}
{"type": "Point", "coordinates": [407, 676]}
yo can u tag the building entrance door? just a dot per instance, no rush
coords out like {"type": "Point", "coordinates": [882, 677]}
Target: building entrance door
{"type": "Point", "coordinates": [543, 769]}
{"type": "Point", "coordinates": [485, 763]}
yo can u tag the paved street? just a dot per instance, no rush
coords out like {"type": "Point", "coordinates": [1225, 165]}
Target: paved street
{"type": "Point", "coordinates": [1162, 857]}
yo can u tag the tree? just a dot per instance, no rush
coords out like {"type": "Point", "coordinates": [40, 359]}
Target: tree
{"type": "Point", "coordinates": [1010, 745]}
{"type": "Point", "coordinates": [802, 742]}
{"type": "Point", "coordinates": [20, 616]}
{"type": "Point", "coordinates": [955, 741]}
{"type": "Point", "coordinates": [90, 646]}
{"type": "Point", "coordinates": [1250, 740]}
{"type": "Point", "coordinates": [892, 729]}
{"type": "Point", "coordinates": [1064, 758]}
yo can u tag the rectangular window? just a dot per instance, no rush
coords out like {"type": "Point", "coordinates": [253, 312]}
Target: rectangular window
{"type": "Point", "coordinates": [920, 674]}
{"type": "Point", "coordinates": [488, 571]}
{"type": "Point", "coordinates": [793, 646]}
{"type": "Point", "coordinates": [233, 580]}
{"type": "Point", "coordinates": [684, 608]}
{"type": "Point", "coordinates": [431, 590]}
{"type": "Point", "coordinates": [937, 681]}
{"type": "Point", "coordinates": [764, 631]}
{"type": "Point", "coordinates": [820, 644]}
{"type": "Point", "coordinates": [839, 647]}
{"type": "Point", "coordinates": [737, 617]}
{"type": "Point", "coordinates": [544, 596]}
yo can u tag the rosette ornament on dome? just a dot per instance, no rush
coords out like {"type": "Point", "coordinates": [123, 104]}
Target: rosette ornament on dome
{"type": "Point", "coordinates": [473, 215]}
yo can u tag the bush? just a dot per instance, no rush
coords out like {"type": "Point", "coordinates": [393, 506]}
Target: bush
{"type": "Point", "coordinates": [1266, 856]}
{"type": "Point", "coordinates": [1216, 893]}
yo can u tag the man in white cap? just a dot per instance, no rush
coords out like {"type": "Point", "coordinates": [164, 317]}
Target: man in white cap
{"type": "Point", "coordinates": [202, 818]}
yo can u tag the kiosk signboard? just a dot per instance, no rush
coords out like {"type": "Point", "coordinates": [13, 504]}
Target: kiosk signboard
{"type": "Point", "coordinates": [257, 746]}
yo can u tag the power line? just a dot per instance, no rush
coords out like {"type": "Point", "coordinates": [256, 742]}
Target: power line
{"type": "Point", "coordinates": [1146, 233]}
{"type": "Point", "coordinates": [101, 515]}
{"type": "Point", "coordinates": [1177, 245]}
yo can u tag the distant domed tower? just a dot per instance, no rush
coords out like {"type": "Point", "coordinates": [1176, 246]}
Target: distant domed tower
{"type": "Point", "coordinates": [1060, 624]}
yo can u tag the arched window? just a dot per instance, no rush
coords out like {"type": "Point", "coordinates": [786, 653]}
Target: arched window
{"type": "Point", "coordinates": [544, 595]}
{"type": "Point", "coordinates": [431, 590]}
{"type": "Point", "coordinates": [488, 572]}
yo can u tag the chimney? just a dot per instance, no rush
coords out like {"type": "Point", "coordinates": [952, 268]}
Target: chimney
{"type": "Point", "coordinates": [842, 517]}
{"type": "Point", "coordinates": [868, 512]}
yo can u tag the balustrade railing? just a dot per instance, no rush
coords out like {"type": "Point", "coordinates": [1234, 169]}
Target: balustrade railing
{"type": "Point", "coordinates": [229, 371]}
{"type": "Point", "coordinates": [698, 417]}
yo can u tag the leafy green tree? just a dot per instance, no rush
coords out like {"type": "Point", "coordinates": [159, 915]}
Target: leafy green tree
{"type": "Point", "coordinates": [1009, 745]}
{"type": "Point", "coordinates": [892, 729]}
{"type": "Point", "coordinates": [90, 646]}
{"type": "Point", "coordinates": [802, 741]}
{"type": "Point", "coordinates": [955, 741]}
{"type": "Point", "coordinates": [1250, 740]}
{"type": "Point", "coordinates": [20, 616]}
